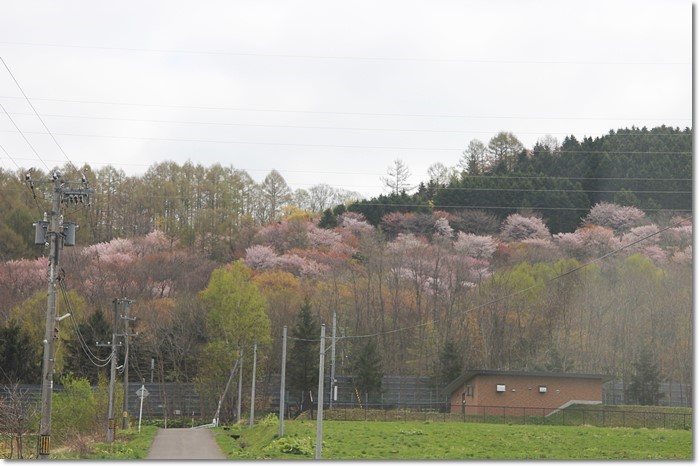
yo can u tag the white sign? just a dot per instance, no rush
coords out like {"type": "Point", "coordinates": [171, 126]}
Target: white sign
{"type": "Point", "coordinates": [142, 392]}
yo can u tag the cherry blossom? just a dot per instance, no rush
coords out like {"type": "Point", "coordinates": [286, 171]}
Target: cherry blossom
{"type": "Point", "coordinates": [618, 218]}
{"type": "Point", "coordinates": [518, 228]}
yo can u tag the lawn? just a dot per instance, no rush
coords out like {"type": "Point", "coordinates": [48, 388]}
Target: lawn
{"type": "Point", "coordinates": [421, 440]}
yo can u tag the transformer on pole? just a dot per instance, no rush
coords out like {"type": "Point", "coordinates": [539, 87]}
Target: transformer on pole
{"type": "Point", "coordinates": [54, 233]}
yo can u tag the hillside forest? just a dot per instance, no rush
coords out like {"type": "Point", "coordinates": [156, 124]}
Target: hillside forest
{"type": "Point", "coordinates": [566, 257]}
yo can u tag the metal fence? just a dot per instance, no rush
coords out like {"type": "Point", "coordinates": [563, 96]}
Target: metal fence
{"type": "Point", "coordinates": [571, 416]}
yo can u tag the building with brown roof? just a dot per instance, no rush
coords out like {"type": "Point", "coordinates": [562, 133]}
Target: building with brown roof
{"type": "Point", "coordinates": [487, 392]}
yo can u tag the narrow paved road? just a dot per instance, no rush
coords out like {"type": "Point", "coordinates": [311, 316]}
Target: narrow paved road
{"type": "Point", "coordinates": [185, 443]}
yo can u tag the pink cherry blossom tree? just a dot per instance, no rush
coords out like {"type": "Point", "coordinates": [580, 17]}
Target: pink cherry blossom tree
{"type": "Point", "coordinates": [618, 218]}
{"type": "Point", "coordinates": [518, 228]}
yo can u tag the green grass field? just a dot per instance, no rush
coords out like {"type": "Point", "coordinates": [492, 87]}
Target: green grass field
{"type": "Point", "coordinates": [426, 440]}
{"type": "Point", "coordinates": [129, 444]}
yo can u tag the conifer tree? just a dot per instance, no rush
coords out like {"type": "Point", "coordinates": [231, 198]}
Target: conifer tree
{"type": "Point", "coordinates": [367, 369]}
{"type": "Point", "coordinates": [302, 366]}
{"type": "Point", "coordinates": [644, 384]}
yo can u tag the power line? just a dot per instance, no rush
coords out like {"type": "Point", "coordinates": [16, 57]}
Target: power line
{"type": "Point", "coordinates": [25, 138]}
{"type": "Point", "coordinates": [310, 127]}
{"type": "Point", "coordinates": [532, 208]}
{"type": "Point", "coordinates": [500, 190]}
{"type": "Point", "coordinates": [557, 190]}
{"type": "Point", "coordinates": [322, 112]}
{"type": "Point", "coordinates": [35, 112]}
{"type": "Point", "coordinates": [345, 57]}
{"type": "Point", "coordinates": [576, 178]}
{"type": "Point", "coordinates": [10, 157]}
{"type": "Point", "coordinates": [337, 146]}
{"type": "Point", "coordinates": [490, 177]}
{"type": "Point", "coordinates": [94, 359]}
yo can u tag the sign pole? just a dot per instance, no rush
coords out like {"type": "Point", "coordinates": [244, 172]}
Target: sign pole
{"type": "Point", "coordinates": [142, 393]}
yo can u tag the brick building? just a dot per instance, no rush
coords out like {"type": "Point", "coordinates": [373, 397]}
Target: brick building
{"type": "Point", "coordinates": [490, 391]}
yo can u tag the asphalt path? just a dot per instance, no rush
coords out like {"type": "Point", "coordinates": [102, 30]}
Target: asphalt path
{"type": "Point", "coordinates": [185, 443]}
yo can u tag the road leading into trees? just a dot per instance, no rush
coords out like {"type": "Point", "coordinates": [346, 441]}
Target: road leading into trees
{"type": "Point", "coordinates": [185, 443]}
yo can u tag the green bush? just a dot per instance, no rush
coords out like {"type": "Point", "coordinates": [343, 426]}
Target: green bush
{"type": "Point", "coordinates": [75, 409]}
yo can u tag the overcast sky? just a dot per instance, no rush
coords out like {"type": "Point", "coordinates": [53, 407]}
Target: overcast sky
{"type": "Point", "coordinates": [329, 91]}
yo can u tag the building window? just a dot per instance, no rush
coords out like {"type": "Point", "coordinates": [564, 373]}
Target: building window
{"type": "Point", "coordinates": [470, 391]}
{"type": "Point", "coordinates": [543, 389]}
{"type": "Point", "coordinates": [500, 388]}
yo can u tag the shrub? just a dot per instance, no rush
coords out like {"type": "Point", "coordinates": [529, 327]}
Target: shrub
{"type": "Point", "coordinates": [74, 409]}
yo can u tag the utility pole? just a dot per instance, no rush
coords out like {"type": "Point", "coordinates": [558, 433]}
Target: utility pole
{"type": "Point", "coordinates": [319, 410]}
{"type": "Point", "coordinates": [111, 425]}
{"type": "Point", "coordinates": [126, 318]}
{"type": "Point", "coordinates": [282, 382]}
{"type": "Point", "coordinates": [333, 389]}
{"type": "Point", "coordinates": [240, 388]}
{"type": "Point", "coordinates": [252, 391]}
{"type": "Point", "coordinates": [49, 336]}
{"type": "Point", "coordinates": [54, 232]}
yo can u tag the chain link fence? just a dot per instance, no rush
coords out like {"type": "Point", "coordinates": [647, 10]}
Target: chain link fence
{"type": "Point", "coordinates": [571, 416]}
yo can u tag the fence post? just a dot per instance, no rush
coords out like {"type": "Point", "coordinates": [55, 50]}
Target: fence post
{"type": "Point", "coordinates": [583, 417]}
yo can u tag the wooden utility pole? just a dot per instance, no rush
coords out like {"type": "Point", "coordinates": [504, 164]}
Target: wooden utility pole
{"type": "Point", "coordinates": [252, 390]}
{"type": "Point", "coordinates": [332, 389]}
{"type": "Point", "coordinates": [319, 410]}
{"type": "Point", "coordinates": [282, 382]}
{"type": "Point", "coordinates": [127, 319]}
{"type": "Point", "coordinates": [111, 424]}
{"type": "Point", "coordinates": [53, 234]}
{"type": "Point", "coordinates": [240, 388]}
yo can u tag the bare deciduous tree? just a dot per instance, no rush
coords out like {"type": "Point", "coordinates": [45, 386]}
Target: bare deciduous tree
{"type": "Point", "coordinates": [18, 418]}
{"type": "Point", "coordinates": [397, 177]}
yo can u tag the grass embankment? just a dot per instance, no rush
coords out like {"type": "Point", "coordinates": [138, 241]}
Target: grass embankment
{"type": "Point", "coordinates": [129, 444]}
{"type": "Point", "coordinates": [421, 440]}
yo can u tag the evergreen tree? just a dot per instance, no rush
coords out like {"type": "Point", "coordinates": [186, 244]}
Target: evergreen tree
{"type": "Point", "coordinates": [644, 385]}
{"type": "Point", "coordinates": [367, 369]}
{"type": "Point", "coordinates": [19, 360]}
{"type": "Point", "coordinates": [328, 220]}
{"type": "Point", "coordinates": [559, 363]}
{"type": "Point", "coordinates": [450, 364]}
{"type": "Point", "coordinates": [302, 366]}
